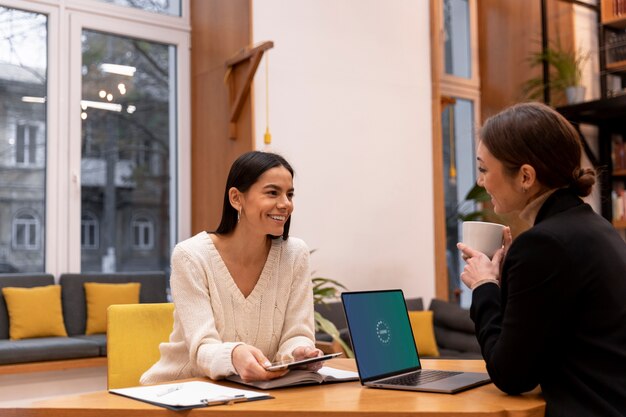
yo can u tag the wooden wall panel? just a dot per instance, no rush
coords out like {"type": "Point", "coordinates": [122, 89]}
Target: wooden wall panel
{"type": "Point", "coordinates": [219, 29]}
{"type": "Point", "coordinates": [509, 30]}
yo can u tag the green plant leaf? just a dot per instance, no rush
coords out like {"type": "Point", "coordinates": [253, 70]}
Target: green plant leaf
{"type": "Point", "coordinates": [565, 69]}
{"type": "Point", "coordinates": [328, 327]}
{"type": "Point", "coordinates": [324, 290]}
{"type": "Point", "coordinates": [477, 193]}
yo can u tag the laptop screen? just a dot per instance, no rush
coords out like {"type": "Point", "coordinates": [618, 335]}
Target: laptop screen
{"type": "Point", "coordinates": [380, 332]}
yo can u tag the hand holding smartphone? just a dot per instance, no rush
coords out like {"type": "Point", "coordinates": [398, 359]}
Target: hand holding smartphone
{"type": "Point", "coordinates": [279, 366]}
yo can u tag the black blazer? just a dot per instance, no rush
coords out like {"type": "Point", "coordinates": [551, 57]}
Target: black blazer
{"type": "Point", "coordinates": [559, 319]}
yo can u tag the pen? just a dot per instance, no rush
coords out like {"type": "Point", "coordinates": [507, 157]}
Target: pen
{"type": "Point", "coordinates": [169, 390]}
{"type": "Point", "coordinates": [224, 400]}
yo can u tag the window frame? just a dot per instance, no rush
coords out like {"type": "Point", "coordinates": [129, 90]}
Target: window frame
{"type": "Point", "coordinates": [449, 80]}
{"type": "Point", "coordinates": [93, 220]}
{"type": "Point", "coordinates": [29, 159]}
{"type": "Point", "coordinates": [144, 223]}
{"type": "Point", "coordinates": [66, 20]}
{"type": "Point", "coordinates": [447, 85]}
{"type": "Point", "coordinates": [16, 221]}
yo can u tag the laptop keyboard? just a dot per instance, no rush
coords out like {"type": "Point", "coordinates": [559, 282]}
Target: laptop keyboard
{"type": "Point", "coordinates": [419, 378]}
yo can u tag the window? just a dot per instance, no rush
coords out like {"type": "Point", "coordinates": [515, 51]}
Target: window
{"type": "Point", "coordinates": [76, 198]}
{"type": "Point", "coordinates": [457, 36]}
{"type": "Point", "coordinates": [459, 175]}
{"type": "Point", "coordinates": [26, 145]}
{"type": "Point", "coordinates": [26, 230]}
{"type": "Point", "coordinates": [455, 74]}
{"type": "Point", "coordinates": [89, 232]}
{"type": "Point", "coordinates": [23, 130]}
{"type": "Point", "coordinates": [142, 230]}
{"type": "Point", "coordinates": [126, 111]}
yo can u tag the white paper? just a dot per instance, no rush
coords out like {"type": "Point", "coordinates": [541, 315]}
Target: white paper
{"type": "Point", "coordinates": [186, 393]}
{"type": "Point", "coordinates": [338, 373]}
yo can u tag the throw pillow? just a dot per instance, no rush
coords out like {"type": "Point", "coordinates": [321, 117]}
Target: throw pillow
{"type": "Point", "coordinates": [34, 312]}
{"type": "Point", "coordinates": [424, 332]}
{"type": "Point", "coordinates": [100, 296]}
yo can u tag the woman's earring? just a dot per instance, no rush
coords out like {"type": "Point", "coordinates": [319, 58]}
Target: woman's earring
{"type": "Point", "coordinates": [238, 215]}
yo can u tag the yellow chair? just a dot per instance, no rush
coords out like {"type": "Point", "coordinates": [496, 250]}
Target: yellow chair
{"type": "Point", "coordinates": [134, 332]}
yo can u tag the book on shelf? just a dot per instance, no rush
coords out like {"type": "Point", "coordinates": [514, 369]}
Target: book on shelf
{"type": "Point", "coordinates": [301, 377]}
{"type": "Point", "coordinates": [615, 47]}
{"type": "Point", "coordinates": [190, 394]}
{"type": "Point", "coordinates": [617, 7]}
{"type": "Point", "coordinates": [618, 153]}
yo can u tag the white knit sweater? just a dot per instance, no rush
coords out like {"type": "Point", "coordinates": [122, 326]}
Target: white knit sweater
{"type": "Point", "coordinates": [212, 316]}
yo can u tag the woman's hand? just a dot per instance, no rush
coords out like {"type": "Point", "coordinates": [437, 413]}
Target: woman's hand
{"type": "Point", "coordinates": [250, 364]}
{"type": "Point", "coordinates": [508, 239]}
{"type": "Point", "coordinates": [304, 352]}
{"type": "Point", "coordinates": [478, 266]}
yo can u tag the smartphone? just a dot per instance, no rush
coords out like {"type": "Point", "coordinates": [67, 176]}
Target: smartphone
{"type": "Point", "coordinates": [279, 366]}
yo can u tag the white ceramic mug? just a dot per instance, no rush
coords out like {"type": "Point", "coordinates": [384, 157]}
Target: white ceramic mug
{"type": "Point", "coordinates": [483, 236]}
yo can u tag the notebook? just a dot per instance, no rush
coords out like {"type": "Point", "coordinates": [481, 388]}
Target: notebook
{"type": "Point", "coordinates": [384, 347]}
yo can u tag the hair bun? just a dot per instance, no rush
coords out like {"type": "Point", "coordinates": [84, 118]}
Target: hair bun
{"type": "Point", "coordinates": [584, 179]}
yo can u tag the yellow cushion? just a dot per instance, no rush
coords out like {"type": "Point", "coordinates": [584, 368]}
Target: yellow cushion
{"type": "Point", "coordinates": [101, 296]}
{"type": "Point", "coordinates": [424, 333]}
{"type": "Point", "coordinates": [133, 336]}
{"type": "Point", "coordinates": [34, 312]}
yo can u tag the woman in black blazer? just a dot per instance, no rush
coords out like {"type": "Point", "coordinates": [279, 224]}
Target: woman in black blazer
{"type": "Point", "coordinates": [550, 307]}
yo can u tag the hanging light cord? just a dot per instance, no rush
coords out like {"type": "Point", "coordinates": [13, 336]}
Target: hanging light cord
{"type": "Point", "coordinates": [267, 138]}
{"type": "Point", "coordinates": [452, 146]}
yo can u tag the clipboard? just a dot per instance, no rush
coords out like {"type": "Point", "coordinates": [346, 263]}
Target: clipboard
{"type": "Point", "coordinates": [188, 395]}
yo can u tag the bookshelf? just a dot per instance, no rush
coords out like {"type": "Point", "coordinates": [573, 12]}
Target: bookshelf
{"type": "Point", "coordinates": [608, 114]}
{"type": "Point", "coordinates": [612, 38]}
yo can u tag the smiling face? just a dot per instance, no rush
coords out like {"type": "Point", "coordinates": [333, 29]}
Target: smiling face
{"type": "Point", "coordinates": [506, 191]}
{"type": "Point", "coordinates": [267, 205]}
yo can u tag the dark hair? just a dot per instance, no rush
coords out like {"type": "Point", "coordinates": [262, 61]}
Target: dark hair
{"type": "Point", "coordinates": [535, 134]}
{"type": "Point", "coordinates": [244, 172]}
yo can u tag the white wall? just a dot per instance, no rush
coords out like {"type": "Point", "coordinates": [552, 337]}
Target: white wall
{"type": "Point", "coordinates": [350, 109]}
{"type": "Point", "coordinates": [586, 41]}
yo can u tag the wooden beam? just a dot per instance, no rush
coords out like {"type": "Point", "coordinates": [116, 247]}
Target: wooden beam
{"type": "Point", "coordinates": [439, 220]}
{"type": "Point", "coordinates": [238, 96]}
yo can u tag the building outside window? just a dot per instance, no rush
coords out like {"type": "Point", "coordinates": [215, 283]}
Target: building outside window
{"type": "Point", "coordinates": [23, 133]}
{"type": "Point", "coordinates": [126, 113]}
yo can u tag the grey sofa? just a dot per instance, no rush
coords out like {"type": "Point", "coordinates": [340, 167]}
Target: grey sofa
{"type": "Point", "coordinates": [454, 330]}
{"type": "Point", "coordinates": [77, 344]}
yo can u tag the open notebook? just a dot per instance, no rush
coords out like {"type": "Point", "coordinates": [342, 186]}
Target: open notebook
{"type": "Point", "coordinates": [301, 377]}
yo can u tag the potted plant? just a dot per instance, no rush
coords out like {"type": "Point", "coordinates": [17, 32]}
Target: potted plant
{"type": "Point", "coordinates": [565, 73]}
{"type": "Point", "coordinates": [324, 290]}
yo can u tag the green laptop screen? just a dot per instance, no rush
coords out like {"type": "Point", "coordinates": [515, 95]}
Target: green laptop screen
{"type": "Point", "coordinates": [381, 332]}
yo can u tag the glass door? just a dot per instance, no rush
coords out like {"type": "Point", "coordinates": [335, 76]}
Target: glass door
{"type": "Point", "coordinates": [127, 149]}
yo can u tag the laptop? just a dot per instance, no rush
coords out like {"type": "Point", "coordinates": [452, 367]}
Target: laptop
{"type": "Point", "coordinates": [384, 347]}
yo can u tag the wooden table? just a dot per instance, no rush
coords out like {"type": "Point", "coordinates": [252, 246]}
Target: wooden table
{"type": "Point", "coordinates": [348, 398]}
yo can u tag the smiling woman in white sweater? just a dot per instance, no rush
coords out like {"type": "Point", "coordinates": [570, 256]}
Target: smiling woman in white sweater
{"type": "Point", "coordinates": [242, 294]}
